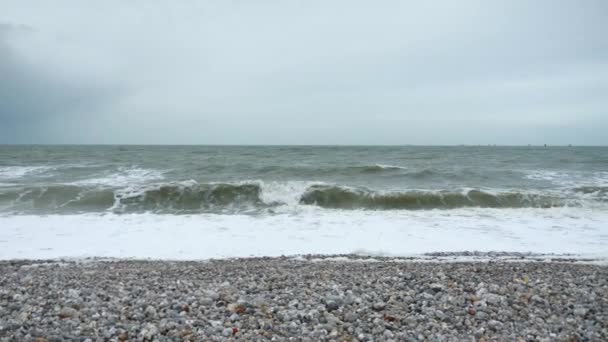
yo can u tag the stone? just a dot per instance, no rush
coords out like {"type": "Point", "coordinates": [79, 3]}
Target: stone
{"type": "Point", "coordinates": [288, 299]}
{"type": "Point", "coordinates": [332, 306]}
{"type": "Point", "coordinates": [436, 287]}
{"type": "Point", "coordinates": [581, 312]}
{"type": "Point", "coordinates": [149, 331]}
{"type": "Point", "coordinates": [378, 306]}
{"type": "Point", "coordinates": [150, 312]}
{"type": "Point", "coordinates": [227, 332]}
{"type": "Point", "coordinates": [493, 299]}
{"type": "Point", "coordinates": [67, 312]}
{"type": "Point", "coordinates": [495, 325]}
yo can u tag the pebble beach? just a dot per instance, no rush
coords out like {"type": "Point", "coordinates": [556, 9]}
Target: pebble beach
{"type": "Point", "coordinates": [309, 298]}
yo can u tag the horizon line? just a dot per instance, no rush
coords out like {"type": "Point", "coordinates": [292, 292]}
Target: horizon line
{"type": "Point", "coordinates": [303, 145]}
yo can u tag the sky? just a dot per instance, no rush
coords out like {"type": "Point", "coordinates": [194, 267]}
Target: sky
{"type": "Point", "coordinates": [305, 72]}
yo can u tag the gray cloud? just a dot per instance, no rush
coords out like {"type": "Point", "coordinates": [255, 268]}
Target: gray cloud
{"type": "Point", "coordinates": [32, 98]}
{"type": "Point", "coordinates": [308, 72]}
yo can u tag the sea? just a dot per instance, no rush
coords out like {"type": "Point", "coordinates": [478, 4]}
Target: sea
{"type": "Point", "coordinates": [197, 202]}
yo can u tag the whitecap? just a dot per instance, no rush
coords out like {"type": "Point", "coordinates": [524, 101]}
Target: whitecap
{"type": "Point", "coordinates": [124, 177]}
{"type": "Point", "coordinates": [571, 178]}
{"type": "Point", "coordinates": [391, 167]}
{"type": "Point", "coordinates": [15, 172]}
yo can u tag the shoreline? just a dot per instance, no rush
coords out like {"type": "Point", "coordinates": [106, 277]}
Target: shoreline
{"type": "Point", "coordinates": [310, 298]}
{"type": "Point", "coordinates": [432, 257]}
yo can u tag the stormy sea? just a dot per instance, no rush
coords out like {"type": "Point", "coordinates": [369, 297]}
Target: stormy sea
{"type": "Point", "coordinates": [191, 202]}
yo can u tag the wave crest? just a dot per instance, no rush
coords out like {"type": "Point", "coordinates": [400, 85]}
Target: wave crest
{"type": "Point", "coordinates": [192, 197]}
{"type": "Point", "coordinates": [337, 197]}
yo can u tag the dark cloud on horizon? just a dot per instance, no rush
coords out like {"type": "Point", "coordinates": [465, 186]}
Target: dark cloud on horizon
{"type": "Point", "coordinates": [31, 97]}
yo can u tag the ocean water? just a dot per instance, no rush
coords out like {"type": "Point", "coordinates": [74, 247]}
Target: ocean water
{"type": "Point", "coordinates": [322, 199]}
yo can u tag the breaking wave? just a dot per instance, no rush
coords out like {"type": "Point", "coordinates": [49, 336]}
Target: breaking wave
{"type": "Point", "coordinates": [163, 198]}
{"type": "Point", "coordinates": [354, 198]}
{"type": "Point", "coordinates": [193, 197]}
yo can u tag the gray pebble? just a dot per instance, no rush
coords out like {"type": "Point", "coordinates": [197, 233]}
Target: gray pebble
{"type": "Point", "coordinates": [260, 299]}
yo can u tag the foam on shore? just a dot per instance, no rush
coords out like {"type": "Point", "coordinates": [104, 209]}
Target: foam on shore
{"type": "Point", "coordinates": [571, 231]}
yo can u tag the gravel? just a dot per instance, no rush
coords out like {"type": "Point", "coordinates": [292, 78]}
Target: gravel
{"type": "Point", "coordinates": [302, 300]}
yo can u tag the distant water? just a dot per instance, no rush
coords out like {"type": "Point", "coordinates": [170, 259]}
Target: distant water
{"type": "Point", "coordinates": [212, 201]}
{"type": "Point", "coordinates": [267, 180]}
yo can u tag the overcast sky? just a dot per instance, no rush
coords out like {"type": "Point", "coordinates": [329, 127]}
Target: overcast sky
{"type": "Point", "coordinates": [304, 72]}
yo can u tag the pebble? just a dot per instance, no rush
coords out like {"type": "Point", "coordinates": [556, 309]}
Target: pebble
{"type": "Point", "coordinates": [331, 306]}
{"type": "Point", "coordinates": [264, 299]}
{"type": "Point", "coordinates": [227, 332]}
{"type": "Point", "coordinates": [150, 312]}
{"type": "Point", "coordinates": [67, 313]}
{"type": "Point", "coordinates": [379, 306]}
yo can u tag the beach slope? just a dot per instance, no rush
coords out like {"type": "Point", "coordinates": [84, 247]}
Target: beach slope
{"type": "Point", "coordinates": [308, 298]}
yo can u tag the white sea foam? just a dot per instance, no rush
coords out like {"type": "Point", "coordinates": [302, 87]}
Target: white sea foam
{"type": "Point", "coordinates": [15, 172]}
{"type": "Point", "coordinates": [398, 233]}
{"type": "Point", "coordinates": [123, 177]}
{"type": "Point", "coordinates": [288, 193]}
{"type": "Point", "coordinates": [386, 166]}
{"type": "Point", "coordinates": [570, 179]}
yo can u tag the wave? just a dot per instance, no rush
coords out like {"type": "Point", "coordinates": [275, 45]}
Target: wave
{"type": "Point", "coordinates": [356, 171]}
{"type": "Point", "coordinates": [254, 196]}
{"type": "Point", "coordinates": [162, 198]}
{"type": "Point", "coordinates": [123, 177]}
{"type": "Point", "coordinates": [598, 193]}
{"type": "Point", "coordinates": [602, 190]}
{"type": "Point", "coordinates": [570, 179]}
{"type": "Point", "coordinates": [415, 174]}
{"type": "Point", "coordinates": [378, 168]}
{"type": "Point", "coordinates": [332, 170]}
{"type": "Point", "coordinates": [398, 170]}
{"type": "Point", "coordinates": [191, 196]}
{"type": "Point", "coordinates": [56, 198]}
{"type": "Point", "coordinates": [338, 197]}
{"type": "Point", "coordinates": [15, 172]}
